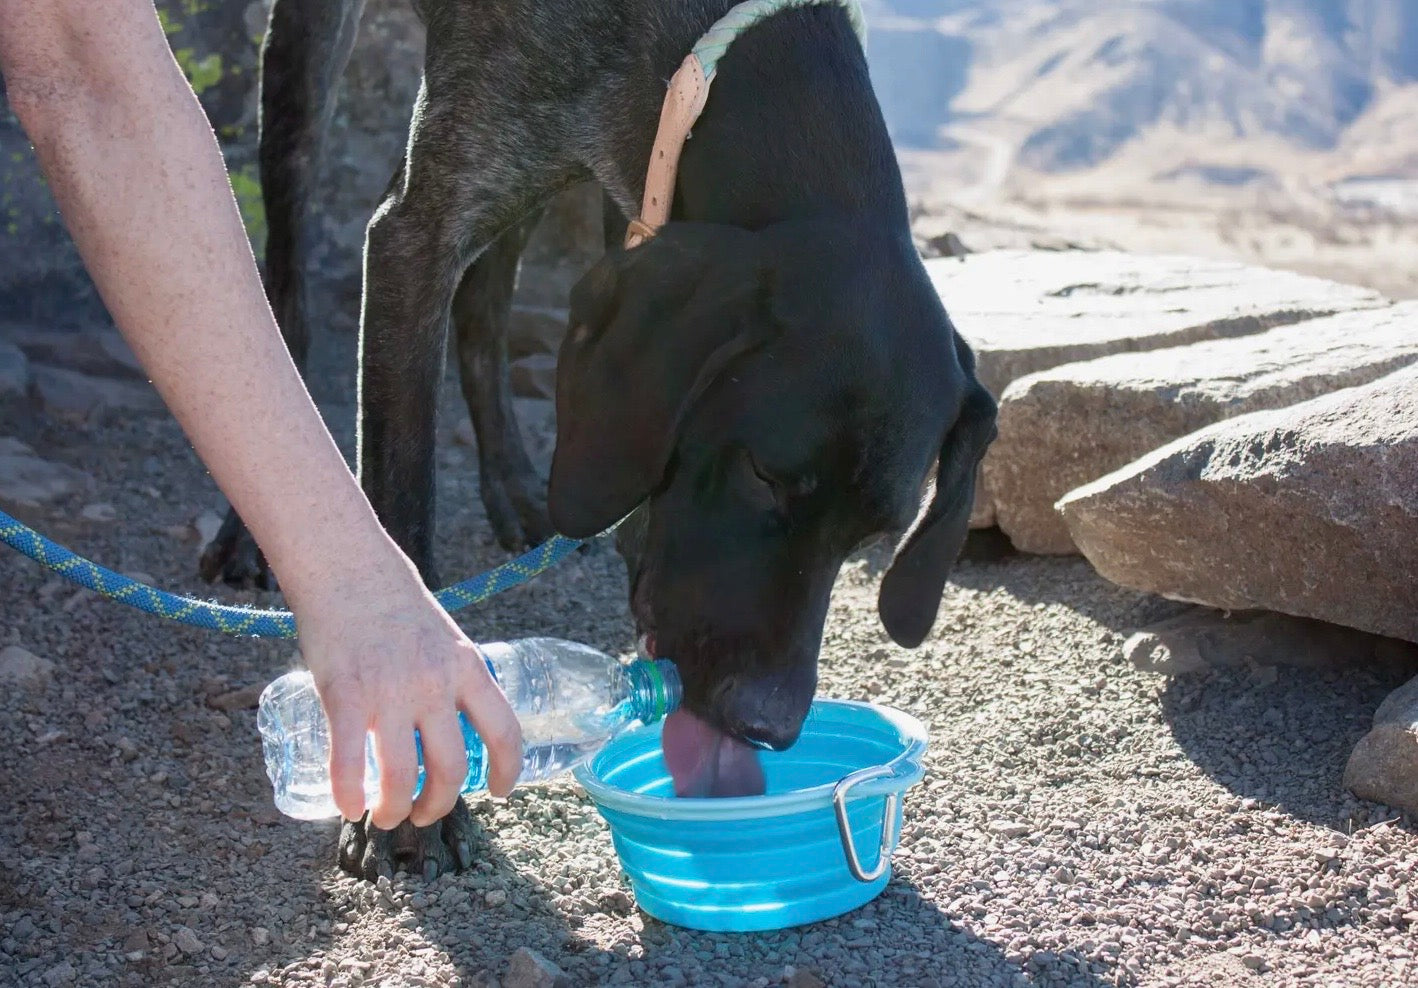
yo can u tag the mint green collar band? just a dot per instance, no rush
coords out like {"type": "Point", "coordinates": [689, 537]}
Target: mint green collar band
{"type": "Point", "coordinates": [717, 39]}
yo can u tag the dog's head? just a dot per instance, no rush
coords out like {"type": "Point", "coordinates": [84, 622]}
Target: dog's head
{"type": "Point", "coordinates": [770, 401]}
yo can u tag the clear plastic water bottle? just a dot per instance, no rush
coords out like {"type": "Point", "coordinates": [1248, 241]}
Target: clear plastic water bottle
{"type": "Point", "coordinates": [569, 698]}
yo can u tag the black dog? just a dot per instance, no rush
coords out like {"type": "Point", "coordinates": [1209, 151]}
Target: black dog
{"type": "Point", "coordinates": [768, 384]}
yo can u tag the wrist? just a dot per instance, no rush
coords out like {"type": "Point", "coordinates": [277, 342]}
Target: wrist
{"type": "Point", "coordinates": [340, 553]}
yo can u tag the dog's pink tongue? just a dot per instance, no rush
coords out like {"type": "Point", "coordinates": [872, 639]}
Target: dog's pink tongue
{"type": "Point", "coordinates": [704, 761]}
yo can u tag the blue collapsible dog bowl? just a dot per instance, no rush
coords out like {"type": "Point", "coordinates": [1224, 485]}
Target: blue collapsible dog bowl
{"type": "Point", "coordinates": [816, 845]}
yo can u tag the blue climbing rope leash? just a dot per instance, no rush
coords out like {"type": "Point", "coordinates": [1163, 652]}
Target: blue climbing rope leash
{"type": "Point", "coordinates": [250, 621]}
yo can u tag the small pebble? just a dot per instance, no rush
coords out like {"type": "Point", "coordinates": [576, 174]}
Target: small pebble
{"type": "Point", "coordinates": [187, 941]}
{"type": "Point", "coordinates": [98, 512]}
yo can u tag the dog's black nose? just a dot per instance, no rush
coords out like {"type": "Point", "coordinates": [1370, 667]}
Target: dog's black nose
{"type": "Point", "coordinates": [777, 736]}
{"type": "Point", "coordinates": [767, 714]}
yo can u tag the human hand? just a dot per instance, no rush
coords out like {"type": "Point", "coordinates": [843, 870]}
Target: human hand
{"type": "Point", "coordinates": [386, 658]}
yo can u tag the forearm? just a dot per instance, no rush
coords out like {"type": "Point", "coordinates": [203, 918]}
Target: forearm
{"type": "Point", "coordinates": [139, 178]}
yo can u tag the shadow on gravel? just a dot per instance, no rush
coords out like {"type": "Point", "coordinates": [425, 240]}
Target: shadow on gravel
{"type": "Point", "coordinates": [1282, 735]}
{"type": "Point", "coordinates": [1069, 581]}
{"type": "Point", "coordinates": [900, 939]}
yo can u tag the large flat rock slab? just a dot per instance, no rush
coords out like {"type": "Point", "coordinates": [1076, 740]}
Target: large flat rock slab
{"type": "Point", "coordinates": [1025, 311]}
{"type": "Point", "coordinates": [1309, 510]}
{"type": "Point", "coordinates": [1065, 427]}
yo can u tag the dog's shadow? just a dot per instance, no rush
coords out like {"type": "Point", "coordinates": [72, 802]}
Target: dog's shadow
{"type": "Point", "coordinates": [482, 917]}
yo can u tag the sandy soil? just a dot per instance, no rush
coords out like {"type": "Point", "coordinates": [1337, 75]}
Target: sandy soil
{"type": "Point", "coordinates": [1082, 823]}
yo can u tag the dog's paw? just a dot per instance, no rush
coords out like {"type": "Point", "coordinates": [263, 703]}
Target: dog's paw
{"type": "Point", "coordinates": [234, 558]}
{"type": "Point", "coordinates": [446, 846]}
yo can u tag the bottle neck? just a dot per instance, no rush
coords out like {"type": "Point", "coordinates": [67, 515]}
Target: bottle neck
{"type": "Point", "coordinates": [655, 688]}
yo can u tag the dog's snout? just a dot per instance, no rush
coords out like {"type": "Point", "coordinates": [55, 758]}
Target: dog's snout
{"type": "Point", "coordinates": [774, 735]}
{"type": "Point", "coordinates": [762, 713]}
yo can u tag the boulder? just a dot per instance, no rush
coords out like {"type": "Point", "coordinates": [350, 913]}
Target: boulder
{"type": "Point", "coordinates": [537, 417]}
{"type": "Point", "coordinates": [21, 667]}
{"type": "Point", "coordinates": [72, 395]}
{"type": "Point", "coordinates": [102, 352]}
{"type": "Point", "coordinates": [1025, 311]}
{"type": "Point", "coordinates": [1061, 428]}
{"type": "Point", "coordinates": [1384, 764]}
{"type": "Point", "coordinates": [28, 481]}
{"type": "Point", "coordinates": [1310, 510]}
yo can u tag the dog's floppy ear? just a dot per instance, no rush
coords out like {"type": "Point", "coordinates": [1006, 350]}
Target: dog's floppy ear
{"type": "Point", "coordinates": [911, 589]}
{"type": "Point", "coordinates": [650, 329]}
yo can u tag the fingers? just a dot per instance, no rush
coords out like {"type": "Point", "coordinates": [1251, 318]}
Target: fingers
{"type": "Point", "coordinates": [445, 766]}
{"type": "Point", "coordinates": [492, 717]}
{"type": "Point", "coordinates": [348, 730]}
{"type": "Point", "coordinates": [398, 770]}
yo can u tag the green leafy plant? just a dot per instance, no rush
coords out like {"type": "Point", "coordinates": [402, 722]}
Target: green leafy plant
{"type": "Point", "coordinates": [247, 186]}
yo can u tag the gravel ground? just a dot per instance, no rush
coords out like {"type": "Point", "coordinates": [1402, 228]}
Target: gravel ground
{"type": "Point", "coordinates": [1081, 823]}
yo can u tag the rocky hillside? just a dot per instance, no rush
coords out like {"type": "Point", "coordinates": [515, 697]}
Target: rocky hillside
{"type": "Point", "coordinates": [1068, 84]}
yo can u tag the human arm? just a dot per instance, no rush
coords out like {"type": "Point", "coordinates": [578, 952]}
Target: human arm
{"type": "Point", "coordinates": [139, 178]}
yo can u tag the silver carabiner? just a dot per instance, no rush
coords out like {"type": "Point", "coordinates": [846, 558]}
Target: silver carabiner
{"type": "Point", "coordinates": [844, 828]}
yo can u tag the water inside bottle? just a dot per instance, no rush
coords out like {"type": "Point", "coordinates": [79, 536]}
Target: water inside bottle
{"type": "Point", "coordinates": [571, 700]}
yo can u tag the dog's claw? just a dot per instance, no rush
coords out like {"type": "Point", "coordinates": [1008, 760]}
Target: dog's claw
{"type": "Point", "coordinates": [444, 846]}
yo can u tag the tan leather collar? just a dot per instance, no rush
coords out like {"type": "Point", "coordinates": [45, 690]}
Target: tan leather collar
{"type": "Point", "coordinates": [688, 92]}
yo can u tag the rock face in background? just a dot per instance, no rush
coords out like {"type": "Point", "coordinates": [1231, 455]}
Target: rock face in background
{"type": "Point", "coordinates": [1074, 83]}
{"type": "Point", "coordinates": [1066, 427]}
{"type": "Point", "coordinates": [43, 283]}
{"type": "Point", "coordinates": [41, 277]}
{"type": "Point", "coordinates": [1309, 510]}
{"type": "Point", "coordinates": [1027, 311]}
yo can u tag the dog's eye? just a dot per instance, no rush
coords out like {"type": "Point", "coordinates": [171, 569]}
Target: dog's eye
{"type": "Point", "coordinates": [782, 489]}
{"type": "Point", "coordinates": [764, 490]}
{"type": "Point", "coordinates": [759, 472]}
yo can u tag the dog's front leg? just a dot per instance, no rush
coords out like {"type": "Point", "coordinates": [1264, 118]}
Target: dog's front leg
{"type": "Point", "coordinates": [409, 280]}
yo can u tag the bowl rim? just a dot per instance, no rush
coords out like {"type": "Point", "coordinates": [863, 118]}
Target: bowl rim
{"type": "Point", "coordinates": [907, 769]}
